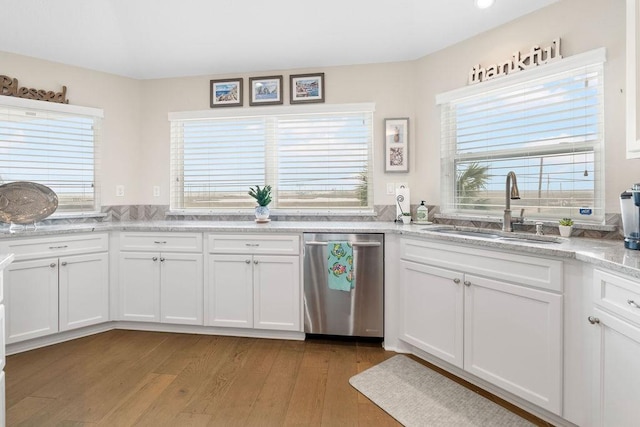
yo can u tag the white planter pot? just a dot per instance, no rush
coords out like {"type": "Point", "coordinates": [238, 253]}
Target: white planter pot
{"type": "Point", "coordinates": [565, 230]}
{"type": "Point", "coordinates": [406, 219]}
{"type": "Point", "coordinates": [262, 212]}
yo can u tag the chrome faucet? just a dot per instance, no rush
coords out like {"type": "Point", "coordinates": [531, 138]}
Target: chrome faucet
{"type": "Point", "coordinates": [511, 193]}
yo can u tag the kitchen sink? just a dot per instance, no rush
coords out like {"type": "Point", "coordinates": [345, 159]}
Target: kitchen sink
{"type": "Point", "coordinates": [496, 235]}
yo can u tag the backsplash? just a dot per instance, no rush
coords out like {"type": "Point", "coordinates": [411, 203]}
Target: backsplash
{"type": "Point", "coordinates": [123, 213]}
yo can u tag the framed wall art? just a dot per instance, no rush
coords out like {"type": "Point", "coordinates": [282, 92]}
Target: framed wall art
{"type": "Point", "coordinates": [226, 93]}
{"type": "Point", "coordinates": [306, 88]}
{"type": "Point", "coordinates": [265, 90]}
{"type": "Point", "coordinates": [396, 146]}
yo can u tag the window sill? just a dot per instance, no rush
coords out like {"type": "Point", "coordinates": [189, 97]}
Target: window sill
{"type": "Point", "coordinates": [272, 213]}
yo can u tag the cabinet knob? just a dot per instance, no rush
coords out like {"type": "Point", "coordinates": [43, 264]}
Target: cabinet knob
{"type": "Point", "coordinates": [247, 261]}
{"type": "Point", "coordinates": [467, 283]}
{"type": "Point", "coordinates": [63, 263]}
{"type": "Point", "coordinates": [52, 265]}
{"type": "Point", "coordinates": [632, 303]}
{"type": "Point", "coordinates": [155, 258]}
{"type": "Point", "coordinates": [456, 280]}
{"type": "Point", "coordinates": [593, 320]}
{"type": "Point", "coordinates": [255, 261]}
{"type": "Point", "coordinates": [162, 259]}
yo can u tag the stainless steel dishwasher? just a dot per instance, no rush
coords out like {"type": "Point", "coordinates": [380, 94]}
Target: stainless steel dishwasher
{"type": "Point", "coordinates": [358, 312]}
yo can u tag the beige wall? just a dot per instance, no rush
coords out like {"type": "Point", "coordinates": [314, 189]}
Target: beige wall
{"type": "Point", "coordinates": [119, 97]}
{"type": "Point", "coordinates": [582, 25]}
{"type": "Point", "coordinates": [135, 149]}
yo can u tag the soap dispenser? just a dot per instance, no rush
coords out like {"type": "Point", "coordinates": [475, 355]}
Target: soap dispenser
{"type": "Point", "coordinates": [422, 213]}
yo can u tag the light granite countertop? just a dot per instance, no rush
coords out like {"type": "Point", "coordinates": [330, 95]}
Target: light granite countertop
{"type": "Point", "coordinates": [609, 254]}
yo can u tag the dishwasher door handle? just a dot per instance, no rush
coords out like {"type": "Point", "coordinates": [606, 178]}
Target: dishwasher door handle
{"type": "Point", "coordinates": [370, 244]}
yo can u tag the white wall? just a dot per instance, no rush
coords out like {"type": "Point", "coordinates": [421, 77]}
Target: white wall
{"type": "Point", "coordinates": [136, 129]}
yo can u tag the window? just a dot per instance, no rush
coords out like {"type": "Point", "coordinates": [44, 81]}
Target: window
{"type": "Point", "coordinates": [545, 124]}
{"type": "Point", "coordinates": [54, 145]}
{"type": "Point", "coordinates": [317, 159]}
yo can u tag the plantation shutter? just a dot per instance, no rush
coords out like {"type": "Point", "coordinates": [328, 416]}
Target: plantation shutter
{"type": "Point", "coordinates": [548, 129]}
{"type": "Point", "coordinates": [52, 147]}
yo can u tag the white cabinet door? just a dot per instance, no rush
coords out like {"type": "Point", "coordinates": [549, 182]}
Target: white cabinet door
{"type": "Point", "coordinates": [84, 290]}
{"type": "Point", "coordinates": [513, 339]}
{"type": "Point", "coordinates": [231, 291]}
{"type": "Point", "coordinates": [139, 286]}
{"type": "Point", "coordinates": [276, 292]}
{"type": "Point", "coordinates": [617, 385]}
{"type": "Point", "coordinates": [181, 286]}
{"type": "Point", "coordinates": [31, 299]}
{"type": "Point", "coordinates": [432, 310]}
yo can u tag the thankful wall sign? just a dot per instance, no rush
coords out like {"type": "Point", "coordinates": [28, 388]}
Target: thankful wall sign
{"type": "Point", "coordinates": [519, 61]}
{"type": "Point", "coordinates": [10, 87]}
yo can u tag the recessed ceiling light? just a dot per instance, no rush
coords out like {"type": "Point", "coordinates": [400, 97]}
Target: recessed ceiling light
{"type": "Point", "coordinates": [483, 4]}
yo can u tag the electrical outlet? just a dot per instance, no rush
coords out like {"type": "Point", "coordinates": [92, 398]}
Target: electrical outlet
{"type": "Point", "coordinates": [120, 190]}
{"type": "Point", "coordinates": [156, 191]}
{"type": "Point", "coordinates": [391, 188]}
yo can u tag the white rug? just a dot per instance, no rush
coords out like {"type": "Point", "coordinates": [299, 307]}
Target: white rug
{"type": "Point", "coordinates": [418, 396]}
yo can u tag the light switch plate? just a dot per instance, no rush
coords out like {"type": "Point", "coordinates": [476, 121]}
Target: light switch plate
{"type": "Point", "coordinates": [391, 189]}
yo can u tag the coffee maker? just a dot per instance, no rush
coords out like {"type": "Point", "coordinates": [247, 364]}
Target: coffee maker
{"type": "Point", "coordinates": [630, 210]}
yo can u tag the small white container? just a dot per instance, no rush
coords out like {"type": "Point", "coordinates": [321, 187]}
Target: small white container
{"type": "Point", "coordinates": [406, 219]}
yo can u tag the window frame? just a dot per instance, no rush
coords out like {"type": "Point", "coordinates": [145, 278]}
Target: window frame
{"type": "Point", "coordinates": [97, 114]}
{"type": "Point", "coordinates": [270, 161]}
{"type": "Point", "coordinates": [448, 149]}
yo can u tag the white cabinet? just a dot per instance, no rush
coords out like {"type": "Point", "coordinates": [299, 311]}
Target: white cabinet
{"type": "Point", "coordinates": [488, 324]}
{"type": "Point", "coordinates": [59, 292]}
{"type": "Point", "coordinates": [432, 310]}
{"type": "Point", "coordinates": [615, 321]}
{"type": "Point", "coordinates": [161, 286]}
{"type": "Point", "coordinates": [249, 290]}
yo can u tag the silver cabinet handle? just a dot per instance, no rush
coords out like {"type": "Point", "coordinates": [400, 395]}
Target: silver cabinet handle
{"type": "Point", "coordinates": [456, 280]}
{"type": "Point", "coordinates": [255, 261]}
{"type": "Point", "coordinates": [252, 245]}
{"type": "Point", "coordinates": [162, 259]}
{"type": "Point", "coordinates": [372, 244]}
{"type": "Point", "coordinates": [247, 261]}
{"type": "Point", "coordinates": [160, 242]}
{"type": "Point", "coordinates": [52, 265]}
{"type": "Point", "coordinates": [63, 263]}
{"type": "Point", "coordinates": [58, 247]}
{"type": "Point", "coordinates": [467, 283]}
{"type": "Point", "coordinates": [593, 320]}
{"type": "Point", "coordinates": [155, 258]}
{"type": "Point", "coordinates": [632, 303]}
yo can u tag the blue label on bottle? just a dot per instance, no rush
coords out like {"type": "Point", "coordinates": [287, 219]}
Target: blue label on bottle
{"type": "Point", "coordinates": [586, 211]}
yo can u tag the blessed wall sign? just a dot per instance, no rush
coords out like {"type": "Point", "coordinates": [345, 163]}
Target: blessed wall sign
{"type": "Point", "coordinates": [519, 61]}
{"type": "Point", "coordinates": [10, 87]}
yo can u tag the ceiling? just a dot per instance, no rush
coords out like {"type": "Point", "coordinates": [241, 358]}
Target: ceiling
{"type": "Point", "coordinates": [147, 39]}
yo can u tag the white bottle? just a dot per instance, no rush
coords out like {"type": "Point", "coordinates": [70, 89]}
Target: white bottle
{"type": "Point", "coordinates": [422, 213]}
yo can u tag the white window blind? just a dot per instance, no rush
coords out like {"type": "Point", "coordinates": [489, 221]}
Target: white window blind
{"type": "Point", "coordinates": [547, 129]}
{"type": "Point", "coordinates": [54, 148]}
{"type": "Point", "coordinates": [314, 161]}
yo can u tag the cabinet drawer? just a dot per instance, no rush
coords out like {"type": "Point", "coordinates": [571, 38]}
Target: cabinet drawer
{"type": "Point", "coordinates": [174, 242]}
{"type": "Point", "coordinates": [254, 244]}
{"type": "Point", "coordinates": [617, 294]}
{"type": "Point", "coordinates": [56, 246]}
{"type": "Point", "coordinates": [526, 270]}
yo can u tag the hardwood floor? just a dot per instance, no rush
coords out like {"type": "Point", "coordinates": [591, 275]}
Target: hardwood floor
{"type": "Point", "coordinates": [123, 378]}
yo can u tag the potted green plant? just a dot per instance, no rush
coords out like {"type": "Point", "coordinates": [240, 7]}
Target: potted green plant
{"type": "Point", "coordinates": [406, 217]}
{"type": "Point", "coordinates": [565, 225]}
{"type": "Point", "coordinates": [263, 198]}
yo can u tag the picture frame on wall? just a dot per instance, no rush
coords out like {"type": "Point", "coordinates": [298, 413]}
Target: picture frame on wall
{"type": "Point", "coordinates": [265, 90]}
{"type": "Point", "coordinates": [226, 93]}
{"type": "Point", "coordinates": [396, 146]}
{"type": "Point", "coordinates": [306, 88]}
